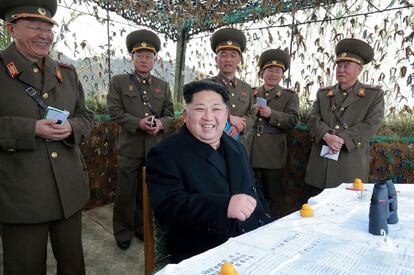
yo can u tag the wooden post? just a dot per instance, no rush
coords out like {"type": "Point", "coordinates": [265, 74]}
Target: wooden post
{"type": "Point", "coordinates": [182, 37]}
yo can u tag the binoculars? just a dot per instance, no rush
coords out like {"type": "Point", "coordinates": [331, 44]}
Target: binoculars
{"type": "Point", "coordinates": [383, 207]}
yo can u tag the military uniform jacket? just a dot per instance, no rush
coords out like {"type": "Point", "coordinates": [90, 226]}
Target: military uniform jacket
{"type": "Point", "coordinates": [240, 99]}
{"type": "Point", "coordinates": [269, 150]}
{"type": "Point", "coordinates": [363, 112]}
{"type": "Point", "coordinates": [40, 180]}
{"type": "Point", "coordinates": [190, 190]}
{"type": "Point", "coordinates": [126, 107]}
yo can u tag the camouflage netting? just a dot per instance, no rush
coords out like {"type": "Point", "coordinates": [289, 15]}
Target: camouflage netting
{"type": "Point", "coordinates": [390, 158]}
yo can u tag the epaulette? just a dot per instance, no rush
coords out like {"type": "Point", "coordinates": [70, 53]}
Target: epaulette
{"type": "Point", "coordinates": [372, 87]}
{"type": "Point", "coordinates": [327, 88]}
{"type": "Point", "coordinates": [290, 90]}
{"type": "Point", "coordinates": [66, 66]}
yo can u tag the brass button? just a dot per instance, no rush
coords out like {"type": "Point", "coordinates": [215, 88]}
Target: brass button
{"type": "Point", "coordinates": [258, 135]}
{"type": "Point", "coordinates": [11, 150]}
{"type": "Point", "coordinates": [336, 126]}
{"type": "Point", "coordinates": [45, 95]}
{"type": "Point", "coordinates": [267, 94]}
{"type": "Point", "coordinates": [145, 103]}
{"type": "Point", "coordinates": [233, 105]}
{"type": "Point", "coordinates": [145, 92]}
{"type": "Point", "coordinates": [54, 155]}
{"type": "Point", "coordinates": [146, 114]}
{"type": "Point", "coordinates": [260, 119]}
{"type": "Point", "coordinates": [344, 93]}
{"type": "Point", "coordinates": [232, 94]}
{"type": "Point", "coordinates": [342, 108]}
{"type": "Point", "coordinates": [144, 81]}
{"type": "Point", "coordinates": [278, 124]}
{"type": "Point", "coordinates": [36, 70]}
{"type": "Point", "coordinates": [359, 144]}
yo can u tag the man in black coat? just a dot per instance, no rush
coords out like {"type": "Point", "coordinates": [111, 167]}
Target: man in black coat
{"type": "Point", "coordinates": [201, 184]}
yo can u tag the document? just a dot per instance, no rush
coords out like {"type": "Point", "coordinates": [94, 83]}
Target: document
{"type": "Point", "coordinates": [54, 113]}
{"type": "Point", "coordinates": [325, 153]}
{"type": "Point", "coordinates": [261, 101]}
{"type": "Point", "coordinates": [227, 129]}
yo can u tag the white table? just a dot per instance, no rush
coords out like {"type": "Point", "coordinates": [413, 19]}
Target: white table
{"type": "Point", "coordinates": [335, 241]}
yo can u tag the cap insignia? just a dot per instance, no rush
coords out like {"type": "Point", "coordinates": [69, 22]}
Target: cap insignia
{"type": "Point", "coordinates": [143, 44]}
{"type": "Point", "coordinates": [274, 62]}
{"type": "Point", "coordinates": [12, 69]}
{"type": "Point", "coordinates": [41, 11]}
{"type": "Point", "coordinates": [229, 43]}
{"type": "Point", "coordinates": [343, 54]}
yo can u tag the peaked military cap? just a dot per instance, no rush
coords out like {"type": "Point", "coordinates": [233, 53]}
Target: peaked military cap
{"type": "Point", "coordinates": [229, 39]}
{"type": "Point", "coordinates": [143, 40]}
{"type": "Point", "coordinates": [202, 85]}
{"type": "Point", "coordinates": [13, 10]}
{"type": "Point", "coordinates": [274, 58]}
{"type": "Point", "coordinates": [355, 50]}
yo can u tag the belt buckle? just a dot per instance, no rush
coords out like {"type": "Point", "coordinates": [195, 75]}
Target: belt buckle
{"type": "Point", "coordinates": [259, 129]}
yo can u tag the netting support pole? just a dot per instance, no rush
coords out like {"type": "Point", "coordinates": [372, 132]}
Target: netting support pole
{"type": "Point", "coordinates": [182, 39]}
{"type": "Point", "coordinates": [293, 32]}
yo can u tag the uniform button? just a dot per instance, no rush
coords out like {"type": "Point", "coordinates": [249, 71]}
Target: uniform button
{"type": "Point", "coordinates": [267, 94]}
{"type": "Point", "coordinates": [268, 215]}
{"type": "Point", "coordinates": [243, 230]}
{"type": "Point", "coordinates": [336, 126]}
{"type": "Point", "coordinates": [344, 93]}
{"type": "Point", "coordinates": [45, 95]}
{"type": "Point", "coordinates": [54, 155]}
{"type": "Point", "coordinates": [258, 135]}
{"type": "Point", "coordinates": [232, 94]}
{"type": "Point", "coordinates": [144, 81]}
{"type": "Point", "coordinates": [36, 70]}
{"type": "Point", "coordinates": [359, 144]}
{"type": "Point", "coordinates": [342, 108]}
{"type": "Point", "coordinates": [278, 124]}
{"type": "Point", "coordinates": [145, 103]}
{"type": "Point", "coordinates": [254, 189]}
{"type": "Point", "coordinates": [145, 92]}
{"type": "Point", "coordinates": [260, 119]}
{"type": "Point", "coordinates": [233, 105]}
{"type": "Point", "coordinates": [11, 150]}
{"type": "Point", "coordinates": [146, 114]}
{"type": "Point", "coordinates": [260, 221]}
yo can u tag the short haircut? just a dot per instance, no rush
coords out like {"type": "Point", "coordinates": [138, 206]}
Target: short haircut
{"type": "Point", "coordinates": [203, 85]}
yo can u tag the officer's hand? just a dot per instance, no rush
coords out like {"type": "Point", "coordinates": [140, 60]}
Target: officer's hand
{"type": "Point", "coordinates": [334, 142]}
{"type": "Point", "coordinates": [240, 207]}
{"type": "Point", "coordinates": [265, 111]}
{"type": "Point", "coordinates": [48, 128]}
{"type": "Point", "coordinates": [256, 108]}
{"type": "Point", "coordinates": [145, 124]}
{"type": "Point", "coordinates": [158, 127]}
{"type": "Point", "coordinates": [233, 131]}
{"type": "Point", "coordinates": [238, 122]}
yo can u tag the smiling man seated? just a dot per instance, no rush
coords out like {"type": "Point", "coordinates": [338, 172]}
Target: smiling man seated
{"type": "Point", "coordinates": [201, 184]}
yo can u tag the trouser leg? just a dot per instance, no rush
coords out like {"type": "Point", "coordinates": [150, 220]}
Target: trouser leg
{"type": "Point", "coordinates": [24, 248]}
{"type": "Point", "coordinates": [271, 181]}
{"type": "Point", "coordinates": [66, 242]}
{"type": "Point", "coordinates": [127, 213]}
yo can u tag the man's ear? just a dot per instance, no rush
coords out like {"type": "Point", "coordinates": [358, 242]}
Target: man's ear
{"type": "Point", "coordinates": [10, 28]}
{"type": "Point", "coordinates": [184, 114]}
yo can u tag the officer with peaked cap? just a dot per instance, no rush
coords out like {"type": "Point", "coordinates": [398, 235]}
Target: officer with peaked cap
{"type": "Point", "coordinates": [141, 105]}
{"type": "Point", "coordinates": [277, 111]}
{"type": "Point", "coordinates": [229, 44]}
{"type": "Point", "coordinates": [343, 119]}
{"type": "Point", "coordinates": [43, 182]}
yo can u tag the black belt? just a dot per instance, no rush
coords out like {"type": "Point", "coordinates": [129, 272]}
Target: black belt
{"type": "Point", "coordinates": [263, 129]}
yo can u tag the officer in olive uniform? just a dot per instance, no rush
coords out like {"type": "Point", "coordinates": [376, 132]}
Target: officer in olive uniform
{"type": "Point", "coordinates": [141, 104]}
{"type": "Point", "coordinates": [43, 179]}
{"type": "Point", "coordinates": [269, 147]}
{"type": "Point", "coordinates": [229, 44]}
{"type": "Point", "coordinates": [344, 118]}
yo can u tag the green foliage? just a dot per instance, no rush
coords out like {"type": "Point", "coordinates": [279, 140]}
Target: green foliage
{"type": "Point", "coordinates": [401, 125]}
{"type": "Point", "coordinates": [97, 104]}
{"type": "Point", "coordinates": [5, 37]}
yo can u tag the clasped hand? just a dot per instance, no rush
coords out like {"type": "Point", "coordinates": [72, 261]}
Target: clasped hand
{"type": "Point", "coordinates": [238, 125]}
{"type": "Point", "coordinates": [334, 142]}
{"type": "Point", "coordinates": [49, 129]}
{"type": "Point", "coordinates": [263, 111]}
{"type": "Point", "coordinates": [147, 125]}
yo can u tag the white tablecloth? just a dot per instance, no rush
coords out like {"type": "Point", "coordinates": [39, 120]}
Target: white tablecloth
{"type": "Point", "coordinates": [335, 241]}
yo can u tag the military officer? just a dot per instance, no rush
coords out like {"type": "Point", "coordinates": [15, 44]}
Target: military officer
{"type": "Point", "coordinates": [43, 179]}
{"type": "Point", "coordinates": [277, 111]}
{"type": "Point", "coordinates": [229, 44]}
{"type": "Point", "coordinates": [142, 106]}
{"type": "Point", "coordinates": [343, 119]}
